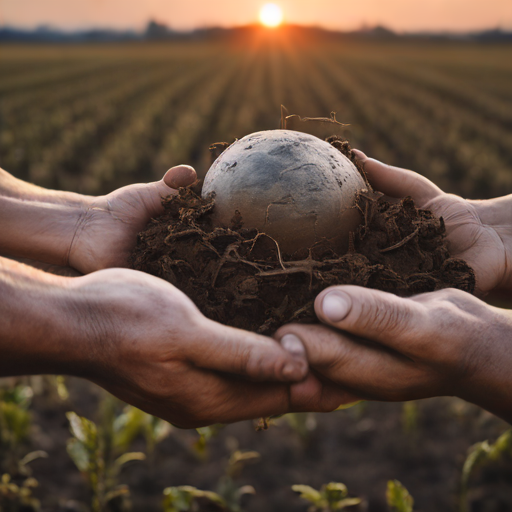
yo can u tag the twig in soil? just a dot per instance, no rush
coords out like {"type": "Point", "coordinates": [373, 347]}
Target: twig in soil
{"type": "Point", "coordinates": [408, 238]}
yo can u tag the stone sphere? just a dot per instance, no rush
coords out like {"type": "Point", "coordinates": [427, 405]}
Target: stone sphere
{"type": "Point", "coordinates": [293, 186]}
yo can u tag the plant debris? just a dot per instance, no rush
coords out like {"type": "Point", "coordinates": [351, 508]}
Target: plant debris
{"type": "Point", "coordinates": [238, 276]}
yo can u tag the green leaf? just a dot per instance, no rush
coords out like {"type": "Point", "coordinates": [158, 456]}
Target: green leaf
{"type": "Point", "coordinates": [502, 446]}
{"type": "Point", "coordinates": [398, 497]}
{"type": "Point", "coordinates": [347, 502]}
{"type": "Point", "coordinates": [129, 457]}
{"type": "Point", "coordinates": [82, 429]}
{"type": "Point", "coordinates": [334, 492]}
{"type": "Point", "coordinates": [79, 455]}
{"type": "Point", "coordinates": [308, 493]}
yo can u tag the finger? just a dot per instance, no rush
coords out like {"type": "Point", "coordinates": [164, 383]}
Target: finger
{"type": "Point", "coordinates": [371, 314]}
{"type": "Point", "coordinates": [364, 370]}
{"type": "Point", "coordinates": [180, 176]}
{"type": "Point", "coordinates": [396, 182]}
{"type": "Point", "coordinates": [176, 177]}
{"type": "Point", "coordinates": [245, 353]}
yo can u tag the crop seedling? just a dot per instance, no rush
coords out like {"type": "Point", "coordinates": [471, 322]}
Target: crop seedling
{"type": "Point", "coordinates": [398, 497]}
{"type": "Point", "coordinates": [478, 455]}
{"type": "Point", "coordinates": [331, 497]}
{"type": "Point", "coordinates": [228, 496]}
{"type": "Point", "coordinates": [18, 498]}
{"type": "Point", "coordinates": [281, 216]}
{"type": "Point", "coordinates": [15, 423]}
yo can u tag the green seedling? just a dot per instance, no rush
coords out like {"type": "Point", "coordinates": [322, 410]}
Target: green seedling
{"type": "Point", "coordinates": [18, 498]}
{"type": "Point", "coordinates": [93, 454]}
{"type": "Point", "coordinates": [133, 423]}
{"type": "Point", "coordinates": [331, 497]}
{"type": "Point", "coordinates": [186, 499]}
{"type": "Point", "coordinates": [228, 496]}
{"type": "Point", "coordinates": [410, 417]}
{"type": "Point", "coordinates": [15, 423]}
{"type": "Point", "coordinates": [478, 455]}
{"type": "Point", "coordinates": [205, 435]}
{"type": "Point", "coordinates": [398, 497]}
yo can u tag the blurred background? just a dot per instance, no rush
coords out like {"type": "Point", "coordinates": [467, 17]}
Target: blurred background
{"type": "Point", "coordinates": [97, 94]}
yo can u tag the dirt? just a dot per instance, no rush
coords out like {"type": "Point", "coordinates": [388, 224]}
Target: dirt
{"type": "Point", "coordinates": [238, 276]}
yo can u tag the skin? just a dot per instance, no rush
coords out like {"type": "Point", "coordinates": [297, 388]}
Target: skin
{"type": "Point", "coordinates": [133, 334]}
{"type": "Point", "coordinates": [382, 347]}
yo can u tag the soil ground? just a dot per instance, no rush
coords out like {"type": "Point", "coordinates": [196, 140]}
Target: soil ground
{"type": "Point", "coordinates": [363, 447]}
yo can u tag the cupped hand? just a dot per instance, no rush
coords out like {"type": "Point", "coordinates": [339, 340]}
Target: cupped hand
{"type": "Point", "coordinates": [477, 231]}
{"type": "Point", "coordinates": [149, 345]}
{"type": "Point", "coordinates": [107, 231]}
{"type": "Point", "coordinates": [382, 347]}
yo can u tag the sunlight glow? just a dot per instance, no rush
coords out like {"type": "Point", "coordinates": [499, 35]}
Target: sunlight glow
{"type": "Point", "coordinates": [271, 15]}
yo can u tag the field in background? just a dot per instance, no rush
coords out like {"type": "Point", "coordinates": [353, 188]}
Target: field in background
{"type": "Point", "coordinates": [94, 118]}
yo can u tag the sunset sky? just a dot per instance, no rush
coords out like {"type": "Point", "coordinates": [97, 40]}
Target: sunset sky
{"type": "Point", "coordinates": [401, 15]}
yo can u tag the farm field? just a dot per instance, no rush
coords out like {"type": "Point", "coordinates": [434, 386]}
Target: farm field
{"type": "Point", "coordinates": [92, 118]}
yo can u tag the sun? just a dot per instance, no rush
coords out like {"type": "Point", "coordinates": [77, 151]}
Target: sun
{"type": "Point", "coordinates": [271, 15]}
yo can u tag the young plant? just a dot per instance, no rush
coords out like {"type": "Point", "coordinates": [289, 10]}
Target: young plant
{"type": "Point", "coordinates": [18, 498]}
{"type": "Point", "coordinates": [331, 497]}
{"type": "Point", "coordinates": [478, 455]}
{"type": "Point", "coordinates": [187, 499]}
{"type": "Point", "coordinates": [398, 497]}
{"type": "Point", "coordinates": [227, 498]}
{"type": "Point", "coordinates": [15, 423]}
{"type": "Point", "coordinates": [205, 435]}
{"type": "Point", "coordinates": [92, 453]}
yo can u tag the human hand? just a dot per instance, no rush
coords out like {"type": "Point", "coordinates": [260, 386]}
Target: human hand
{"type": "Point", "coordinates": [107, 231]}
{"type": "Point", "coordinates": [382, 347]}
{"type": "Point", "coordinates": [150, 346]}
{"type": "Point", "coordinates": [479, 232]}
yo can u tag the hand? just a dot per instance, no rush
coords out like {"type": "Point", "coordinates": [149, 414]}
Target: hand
{"type": "Point", "coordinates": [382, 347]}
{"type": "Point", "coordinates": [107, 231]}
{"type": "Point", "coordinates": [479, 232]}
{"type": "Point", "coordinates": [150, 346]}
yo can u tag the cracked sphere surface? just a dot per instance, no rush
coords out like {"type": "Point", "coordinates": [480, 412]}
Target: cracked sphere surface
{"type": "Point", "coordinates": [293, 186]}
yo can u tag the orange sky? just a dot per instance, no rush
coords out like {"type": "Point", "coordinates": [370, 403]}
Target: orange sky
{"type": "Point", "coordinates": [405, 15]}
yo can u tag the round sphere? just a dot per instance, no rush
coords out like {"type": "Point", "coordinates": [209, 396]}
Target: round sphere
{"type": "Point", "coordinates": [293, 186]}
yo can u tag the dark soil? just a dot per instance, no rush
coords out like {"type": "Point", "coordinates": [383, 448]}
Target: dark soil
{"type": "Point", "coordinates": [239, 277]}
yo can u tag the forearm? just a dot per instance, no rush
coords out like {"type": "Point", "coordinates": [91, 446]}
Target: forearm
{"type": "Point", "coordinates": [40, 331]}
{"type": "Point", "coordinates": [39, 231]}
{"type": "Point", "coordinates": [18, 189]}
{"type": "Point", "coordinates": [489, 378]}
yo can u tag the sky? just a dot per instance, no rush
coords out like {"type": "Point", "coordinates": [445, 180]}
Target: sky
{"type": "Point", "coordinates": [400, 15]}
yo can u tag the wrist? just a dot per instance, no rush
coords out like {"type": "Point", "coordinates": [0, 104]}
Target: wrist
{"type": "Point", "coordinates": [488, 382]}
{"type": "Point", "coordinates": [39, 231]}
{"type": "Point", "coordinates": [42, 331]}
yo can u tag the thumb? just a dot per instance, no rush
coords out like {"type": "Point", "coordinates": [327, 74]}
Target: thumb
{"type": "Point", "coordinates": [180, 176]}
{"type": "Point", "coordinates": [174, 178]}
{"type": "Point", "coordinates": [226, 349]}
{"type": "Point", "coordinates": [371, 314]}
{"type": "Point", "coordinates": [396, 182]}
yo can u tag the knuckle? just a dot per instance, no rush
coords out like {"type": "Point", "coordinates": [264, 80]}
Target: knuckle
{"type": "Point", "coordinates": [391, 316]}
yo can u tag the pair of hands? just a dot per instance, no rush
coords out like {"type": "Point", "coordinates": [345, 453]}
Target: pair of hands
{"type": "Point", "coordinates": [156, 351]}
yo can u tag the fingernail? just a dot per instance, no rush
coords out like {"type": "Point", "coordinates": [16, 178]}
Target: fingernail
{"type": "Point", "coordinates": [359, 154]}
{"type": "Point", "coordinates": [295, 371]}
{"type": "Point", "coordinates": [335, 306]}
{"type": "Point", "coordinates": [293, 344]}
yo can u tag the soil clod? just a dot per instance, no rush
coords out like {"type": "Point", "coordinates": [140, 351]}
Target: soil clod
{"type": "Point", "coordinates": [239, 277]}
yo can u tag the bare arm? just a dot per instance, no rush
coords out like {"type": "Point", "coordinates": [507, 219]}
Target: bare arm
{"type": "Point", "coordinates": [18, 189]}
{"type": "Point", "coordinates": [82, 232]}
{"type": "Point", "coordinates": [145, 341]}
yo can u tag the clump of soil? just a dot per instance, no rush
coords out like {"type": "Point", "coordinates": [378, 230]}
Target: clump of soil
{"type": "Point", "coordinates": [239, 277]}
